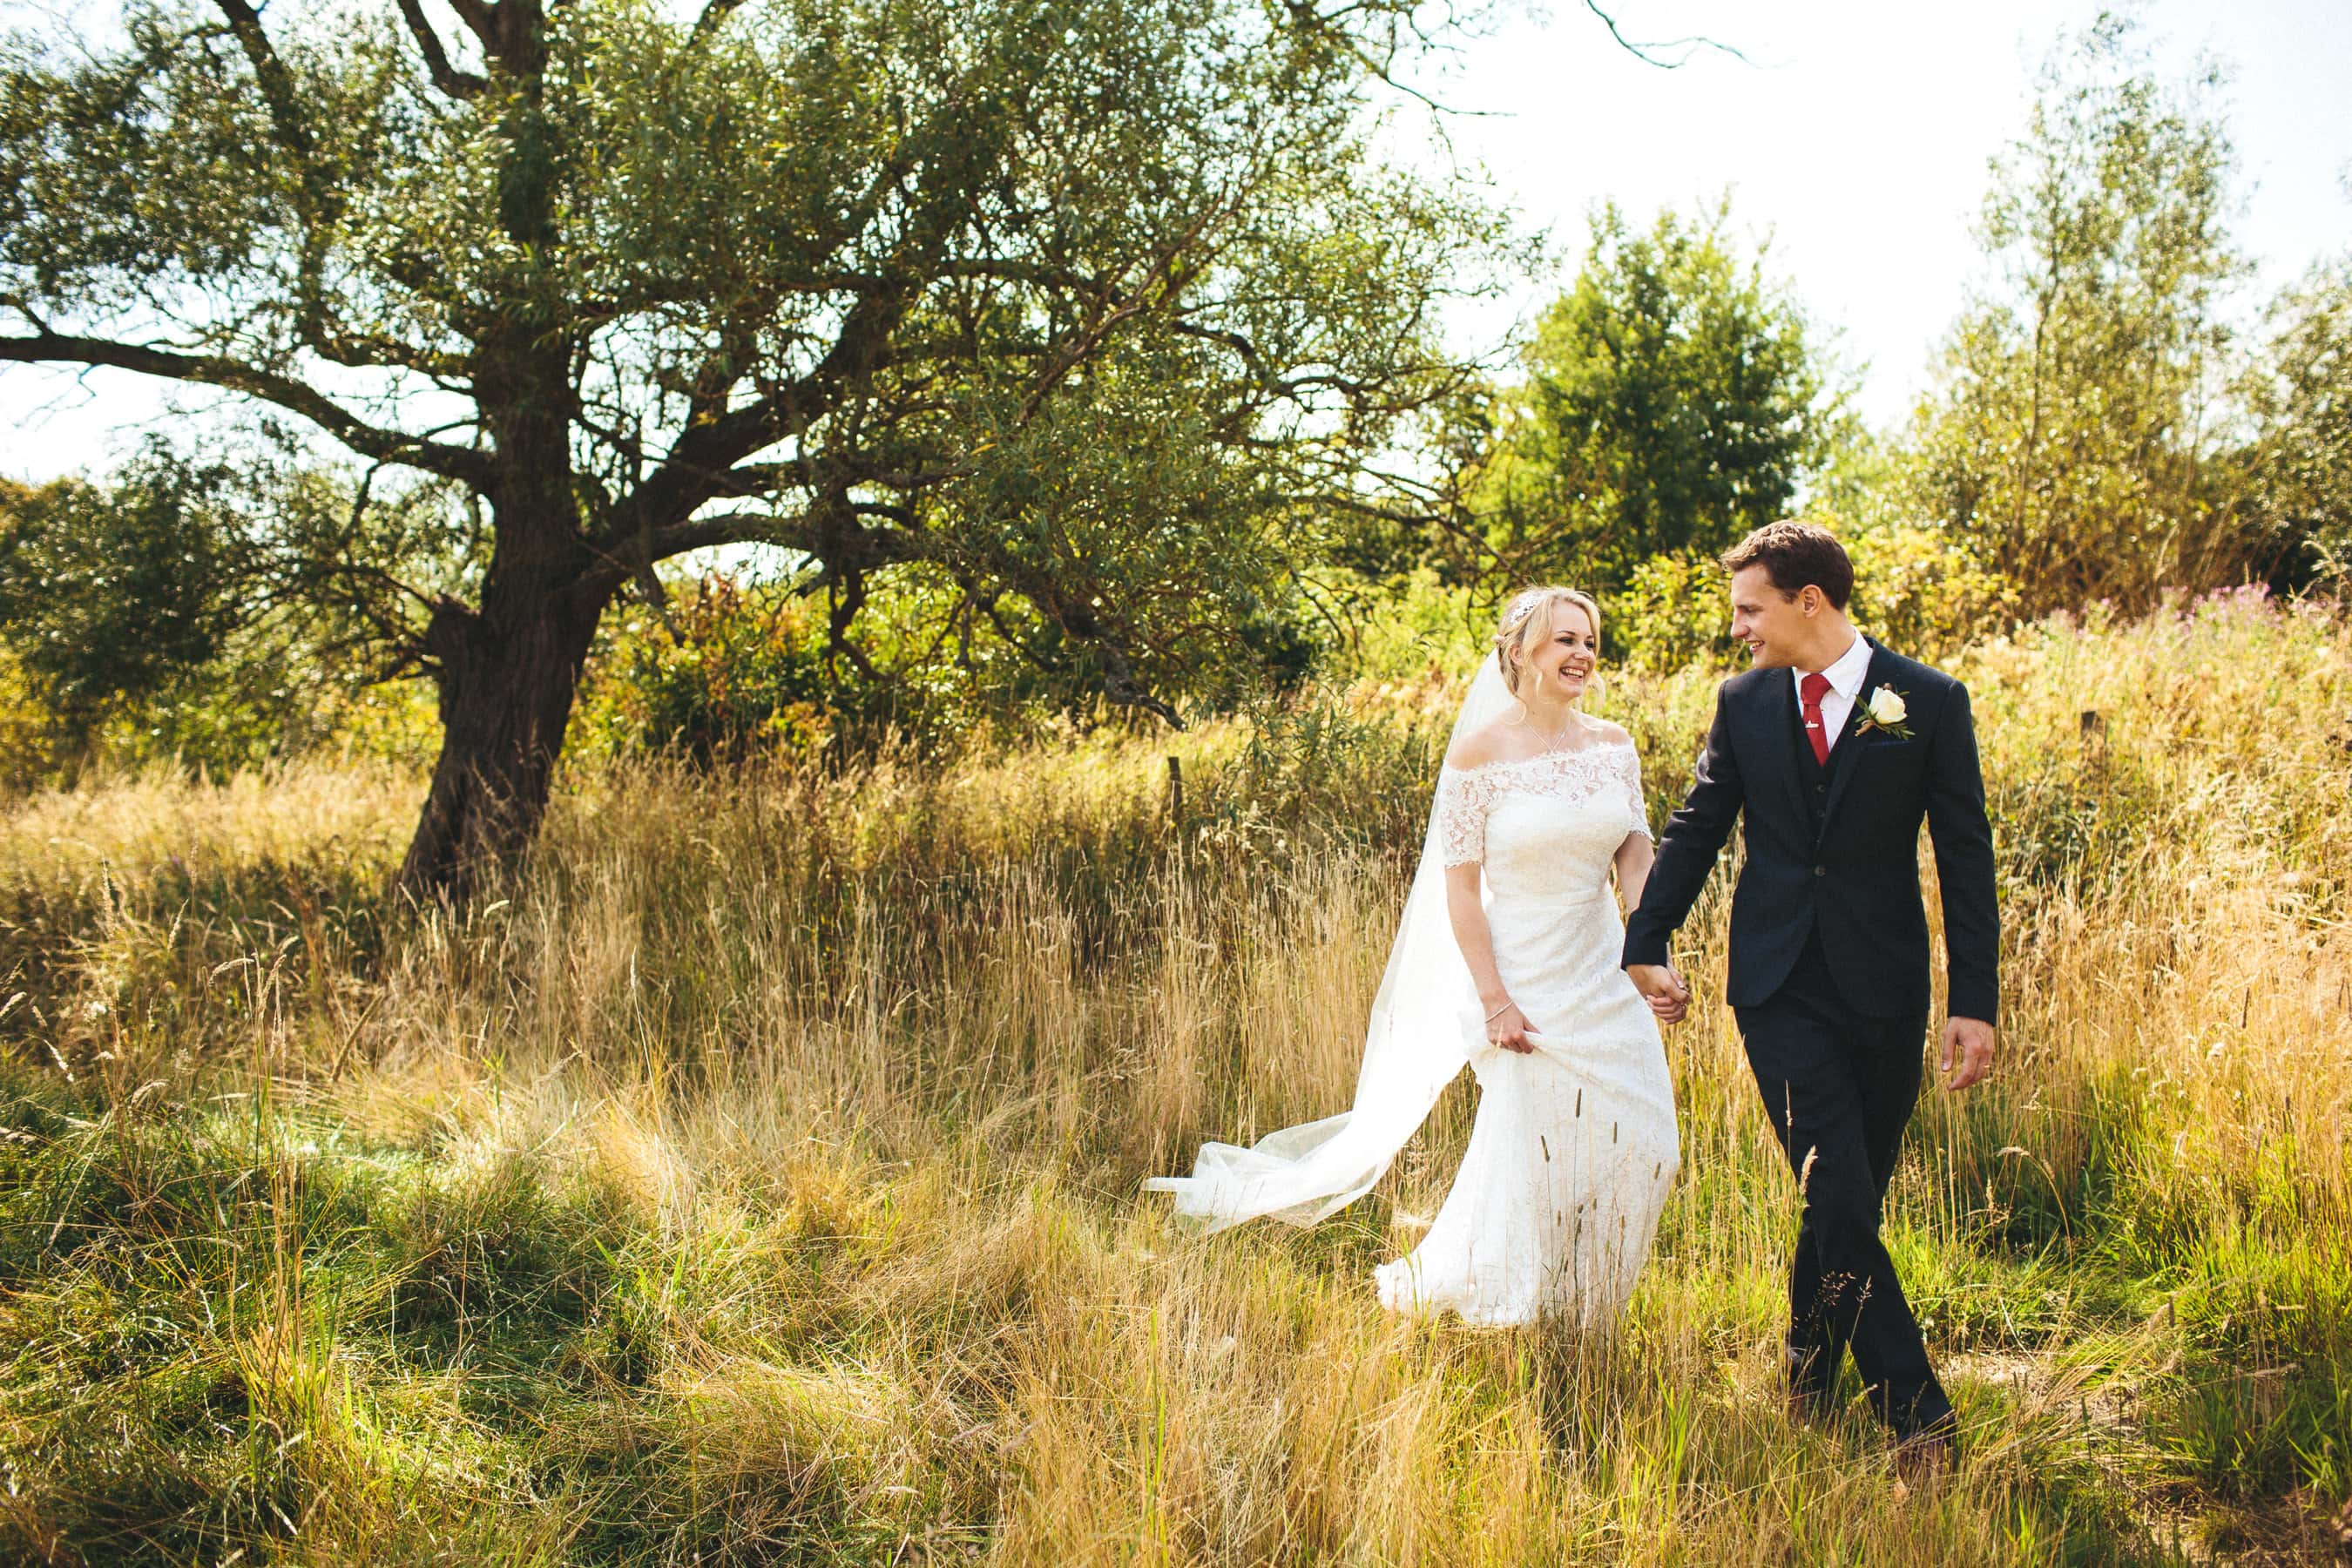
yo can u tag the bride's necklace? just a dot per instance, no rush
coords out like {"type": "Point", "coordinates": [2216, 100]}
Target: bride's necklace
{"type": "Point", "coordinates": [1551, 741]}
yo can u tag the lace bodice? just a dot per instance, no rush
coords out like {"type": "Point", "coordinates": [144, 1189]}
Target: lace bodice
{"type": "Point", "coordinates": [1605, 769]}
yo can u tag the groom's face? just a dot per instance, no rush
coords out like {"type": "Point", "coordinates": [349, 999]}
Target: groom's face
{"type": "Point", "coordinates": [1773, 626]}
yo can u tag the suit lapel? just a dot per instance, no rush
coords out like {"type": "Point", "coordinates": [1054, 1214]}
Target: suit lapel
{"type": "Point", "coordinates": [1780, 735]}
{"type": "Point", "coordinates": [1846, 755]}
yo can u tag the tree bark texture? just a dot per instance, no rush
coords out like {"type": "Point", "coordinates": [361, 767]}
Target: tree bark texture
{"type": "Point", "coordinates": [508, 673]}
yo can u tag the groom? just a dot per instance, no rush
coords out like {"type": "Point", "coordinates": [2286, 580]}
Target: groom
{"type": "Point", "coordinates": [1834, 748]}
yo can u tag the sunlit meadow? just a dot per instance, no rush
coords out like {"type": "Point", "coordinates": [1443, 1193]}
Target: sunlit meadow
{"type": "Point", "coordinates": [754, 1180]}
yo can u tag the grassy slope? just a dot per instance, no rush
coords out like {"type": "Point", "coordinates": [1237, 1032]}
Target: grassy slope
{"type": "Point", "coordinates": [754, 1183]}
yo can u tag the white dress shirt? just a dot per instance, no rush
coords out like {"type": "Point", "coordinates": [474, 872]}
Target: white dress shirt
{"type": "Point", "coordinates": [1846, 676]}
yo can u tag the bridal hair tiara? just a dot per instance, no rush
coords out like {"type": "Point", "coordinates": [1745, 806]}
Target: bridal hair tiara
{"type": "Point", "coordinates": [1524, 606]}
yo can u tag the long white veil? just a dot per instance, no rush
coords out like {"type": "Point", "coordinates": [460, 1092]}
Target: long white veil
{"type": "Point", "coordinates": [1425, 1022]}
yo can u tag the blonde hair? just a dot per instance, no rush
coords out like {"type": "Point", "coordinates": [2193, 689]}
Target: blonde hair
{"type": "Point", "coordinates": [1529, 617]}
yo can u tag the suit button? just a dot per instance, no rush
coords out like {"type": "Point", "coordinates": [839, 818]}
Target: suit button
{"type": "Point", "coordinates": [1820, 789]}
{"type": "Point", "coordinates": [1821, 870]}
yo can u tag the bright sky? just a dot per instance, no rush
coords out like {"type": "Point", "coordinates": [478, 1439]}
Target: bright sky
{"type": "Point", "coordinates": [1856, 133]}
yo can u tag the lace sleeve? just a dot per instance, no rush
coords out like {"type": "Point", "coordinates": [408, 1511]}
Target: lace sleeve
{"type": "Point", "coordinates": [1637, 809]}
{"type": "Point", "coordinates": [1462, 799]}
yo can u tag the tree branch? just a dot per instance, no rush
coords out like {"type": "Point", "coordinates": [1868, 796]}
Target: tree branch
{"type": "Point", "coordinates": [1688, 46]}
{"type": "Point", "coordinates": [714, 12]}
{"type": "Point", "coordinates": [701, 465]}
{"type": "Point", "coordinates": [734, 527]}
{"type": "Point", "coordinates": [696, 468]}
{"type": "Point", "coordinates": [863, 548]}
{"type": "Point", "coordinates": [233, 375]}
{"type": "Point", "coordinates": [1270, 380]}
{"type": "Point", "coordinates": [447, 78]}
{"type": "Point", "coordinates": [276, 83]}
{"type": "Point", "coordinates": [481, 20]}
{"type": "Point", "coordinates": [368, 351]}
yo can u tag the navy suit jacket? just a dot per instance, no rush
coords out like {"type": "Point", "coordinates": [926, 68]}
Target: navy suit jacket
{"type": "Point", "coordinates": [1857, 879]}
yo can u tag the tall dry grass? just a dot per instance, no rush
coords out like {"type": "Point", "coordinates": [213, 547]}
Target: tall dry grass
{"type": "Point", "coordinates": [753, 1179]}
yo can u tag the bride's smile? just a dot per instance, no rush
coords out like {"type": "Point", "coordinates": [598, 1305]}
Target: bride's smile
{"type": "Point", "coordinates": [1563, 663]}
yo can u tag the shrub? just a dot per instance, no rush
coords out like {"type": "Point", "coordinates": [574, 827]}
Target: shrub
{"type": "Point", "coordinates": [23, 727]}
{"type": "Point", "coordinates": [1396, 636]}
{"type": "Point", "coordinates": [1923, 590]}
{"type": "Point", "coordinates": [727, 670]}
{"type": "Point", "coordinates": [1919, 589]}
{"type": "Point", "coordinates": [1671, 615]}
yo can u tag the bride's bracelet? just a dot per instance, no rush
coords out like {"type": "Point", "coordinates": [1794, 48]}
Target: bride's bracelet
{"type": "Point", "coordinates": [1499, 1012]}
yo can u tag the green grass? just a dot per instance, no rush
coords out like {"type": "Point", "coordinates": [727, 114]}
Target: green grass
{"type": "Point", "coordinates": [753, 1179]}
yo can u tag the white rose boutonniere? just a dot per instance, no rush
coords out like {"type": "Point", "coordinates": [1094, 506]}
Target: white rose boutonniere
{"type": "Point", "coordinates": [1885, 713]}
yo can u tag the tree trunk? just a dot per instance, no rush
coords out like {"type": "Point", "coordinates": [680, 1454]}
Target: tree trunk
{"type": "Point", "coordinates": [510, 669]}
{"type": "Point", "coordinates": [509, 673]}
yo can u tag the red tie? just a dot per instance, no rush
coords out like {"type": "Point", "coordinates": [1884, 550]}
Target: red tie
{"type": "Point", "coordinates": [1815, 686]}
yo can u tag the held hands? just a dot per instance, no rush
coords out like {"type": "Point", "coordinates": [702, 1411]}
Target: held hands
{"type": "Point", "coordinates": [1663, 987]}
{"type": "Point", "coordinates": [1507, 1027]}
{"type": "Point", "coordinates": [1970, 1041]}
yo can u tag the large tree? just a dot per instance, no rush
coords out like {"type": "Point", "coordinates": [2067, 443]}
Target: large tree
{"type": "Point", "coordinates": [1082, 310]}
{"type": "Point", "coordinates": [1675, 399]}
{"type": "Point", "coordinates": [2077, 435]}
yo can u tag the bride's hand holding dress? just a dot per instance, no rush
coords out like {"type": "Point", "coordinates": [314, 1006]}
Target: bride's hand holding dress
{"type": "Point", "coordinates": [1573, 1148]}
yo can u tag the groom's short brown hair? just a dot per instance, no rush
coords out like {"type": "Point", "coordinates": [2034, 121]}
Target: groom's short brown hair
{"type": "Point", "coordinates": [1794, 553]}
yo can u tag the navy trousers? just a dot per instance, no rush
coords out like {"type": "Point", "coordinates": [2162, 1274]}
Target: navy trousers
{"type": "Point", "coordinates": [1839, 1087]}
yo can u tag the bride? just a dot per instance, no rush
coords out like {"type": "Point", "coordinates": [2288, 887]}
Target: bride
{"type": "Point", "coordinates": [1506, 959]}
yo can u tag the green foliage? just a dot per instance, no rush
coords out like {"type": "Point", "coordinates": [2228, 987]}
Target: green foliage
{"type": "Point", "coordinates": [110, 596]}
{"type": "Point", "coordinates": [180, 612]}
{"type": "Point", "coordinates": [1922, 588]}
{"type": "Point", "coordinates": [1675, 612]}
{"type": "Point", "coordinates": [728, 666]}
{"type": "Point", "coordinates": [2300, 392]}
{"type": "Point", "coordinates": [1918, 588]}
{"type": "Point", "coordinates": [1673, 400]}
{"type": "Point", "coordinates": [26, 726]}
{"type": "Point", "coordinates": [2266, 1404]}
{"type": "Point", "coordinates": [1416, 625]}
{"type": "Point", "coordinates": [2072, 438]}
{"type": "Point", "coordinates": [724, 669]}
{"type": "Point", "coordinates": [1057, 321]}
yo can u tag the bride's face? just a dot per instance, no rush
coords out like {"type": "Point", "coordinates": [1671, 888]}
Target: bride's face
{"type": "Point", "coordinates": [1562, 663]}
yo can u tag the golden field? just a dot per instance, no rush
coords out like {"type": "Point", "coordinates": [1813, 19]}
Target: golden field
{"type": "Point", "coordinates": [753, 1179]}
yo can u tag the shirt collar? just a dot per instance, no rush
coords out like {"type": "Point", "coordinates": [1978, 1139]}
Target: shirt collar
{"type": "Point", "coordinates": [1852, 667]}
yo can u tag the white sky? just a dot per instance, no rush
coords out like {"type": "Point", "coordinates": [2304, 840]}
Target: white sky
{"type": "Point", "coordinates": [1857, 133]}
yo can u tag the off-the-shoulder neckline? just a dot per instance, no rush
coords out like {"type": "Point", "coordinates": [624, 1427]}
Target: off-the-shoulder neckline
{"type": "Point", "coordinates": [1605, 743]}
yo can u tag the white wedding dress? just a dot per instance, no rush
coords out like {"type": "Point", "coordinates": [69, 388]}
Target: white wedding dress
{"type": "Point", "coordinates": [1574, 1146]}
